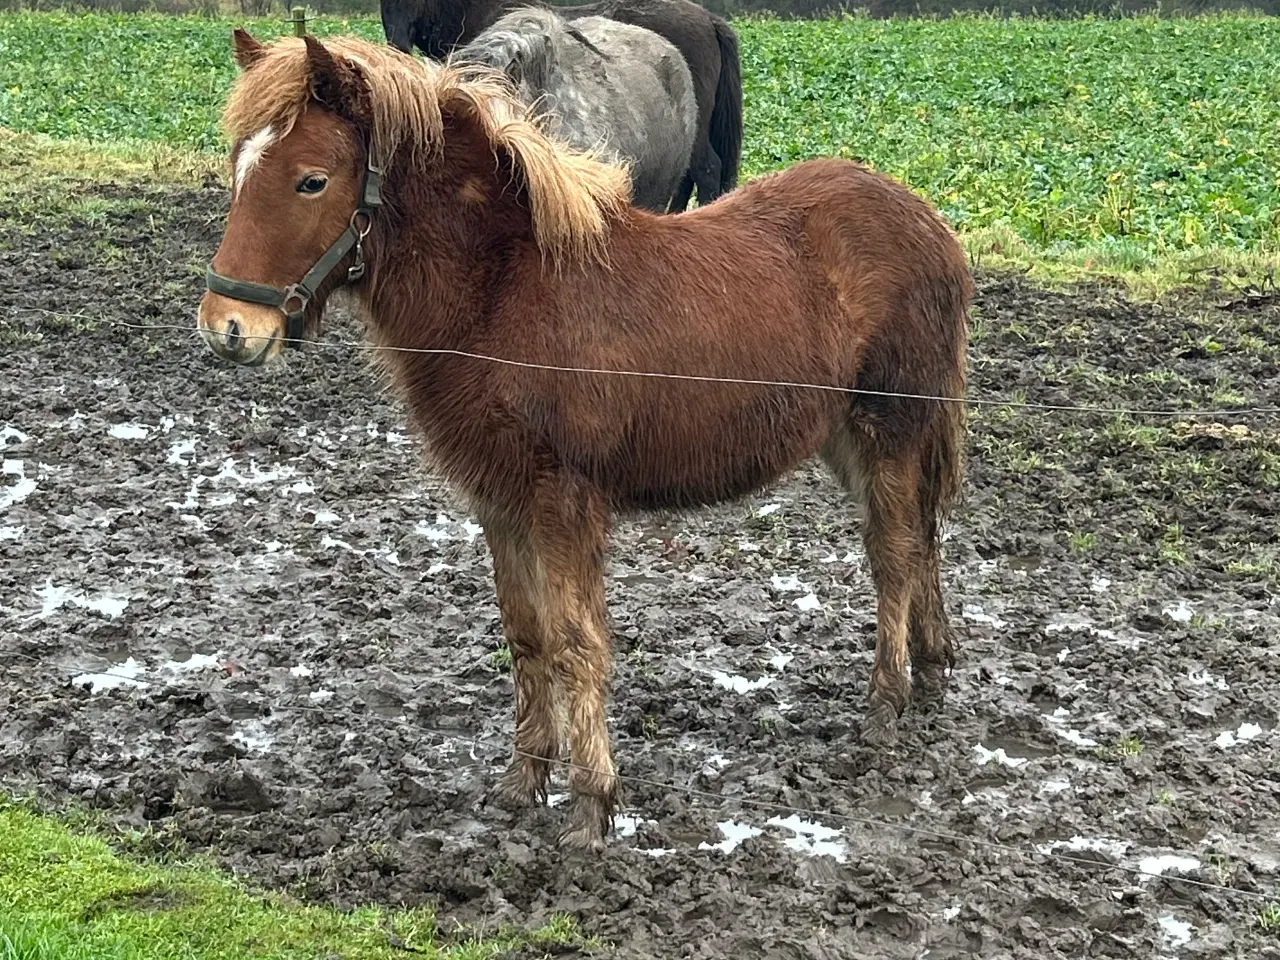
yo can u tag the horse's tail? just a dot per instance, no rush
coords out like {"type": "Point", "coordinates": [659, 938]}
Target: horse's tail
{"type": "Point", "coordinates": [726, 115]}
{"type": "Point", "coordinates": [943, 461]}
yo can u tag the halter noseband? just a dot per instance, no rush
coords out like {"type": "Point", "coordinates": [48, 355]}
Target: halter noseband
{"type": "Point", "coordinates": [304, 290]}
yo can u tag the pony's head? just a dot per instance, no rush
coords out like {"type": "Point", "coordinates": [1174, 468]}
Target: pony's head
{"type": "Point", "coordinates": [318, 129]}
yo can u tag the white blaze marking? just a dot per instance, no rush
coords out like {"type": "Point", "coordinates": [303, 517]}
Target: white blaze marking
{"type": "Point", "coordinates": [251, 152]}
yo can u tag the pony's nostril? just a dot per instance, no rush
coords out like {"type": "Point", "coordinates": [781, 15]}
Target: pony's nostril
{"type": "Point", "coordinates": [234, 338]}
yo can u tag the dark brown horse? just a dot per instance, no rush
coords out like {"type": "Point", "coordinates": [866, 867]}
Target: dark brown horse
{"type": "Point", "coordinates": [706, 41]}
{"type": "Point", "coordinates": [461, 228]}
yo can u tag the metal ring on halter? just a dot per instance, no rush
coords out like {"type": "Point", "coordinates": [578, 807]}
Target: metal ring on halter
{"type": "Point", "coordinates": [291, 292]}
{"type": "Point", "coordinates": [362, 232]}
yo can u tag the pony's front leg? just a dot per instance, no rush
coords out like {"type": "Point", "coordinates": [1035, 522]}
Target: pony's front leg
{"type": "Point", "coordinates": [516, 575]}
{"type": "Point", "coordinates": [572, 524]}
{"type": "Point", "coordinates": [586, 663]}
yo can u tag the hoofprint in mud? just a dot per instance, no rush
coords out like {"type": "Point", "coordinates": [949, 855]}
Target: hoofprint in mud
{"type": "Point", "coordinates": [239, 610]}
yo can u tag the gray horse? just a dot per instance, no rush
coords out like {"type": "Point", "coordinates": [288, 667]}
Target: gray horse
{"type": "Point", "coordinates": [601, 83]}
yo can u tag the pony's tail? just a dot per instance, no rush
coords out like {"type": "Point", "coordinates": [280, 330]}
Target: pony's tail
{"type": "Point", "coordinates": [725, 130]}
{"type": "Point", "coordinates": [943, 463]}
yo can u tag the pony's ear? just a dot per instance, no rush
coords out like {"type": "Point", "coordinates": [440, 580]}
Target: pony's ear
{"type": "Point", "coordinates": [248, 50]}
{"type": "Point", "coordinates": [333, 83]}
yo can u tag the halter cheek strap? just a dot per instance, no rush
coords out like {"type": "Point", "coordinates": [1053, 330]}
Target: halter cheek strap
{"type": "Point", "coordinates": [294, 299]}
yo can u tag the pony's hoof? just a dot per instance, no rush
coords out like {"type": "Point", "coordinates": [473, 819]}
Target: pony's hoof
{"type": "Point", "coordinates": [582, 839]}
{"type": "Point", "coordinates": [880, 728]}
{"type": "Point", "coordinates": [589, 820]}
{"type": "Point", "coordinates": [523, 785]}
{"type": "Point", "coordinates": [928, 688]}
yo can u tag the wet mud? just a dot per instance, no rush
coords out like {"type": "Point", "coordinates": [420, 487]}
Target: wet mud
{"type": "Point", "coordinates": [237, 611]}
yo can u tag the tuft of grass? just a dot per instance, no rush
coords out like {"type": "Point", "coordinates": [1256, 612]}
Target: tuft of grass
{"type": "Point", "coordinates": [1172, 548]}
{"type": "Point", "coordinates": [1269, 919]}
{"type": "Point", "coordinates": [68, 896]}
{"type": "Point", "coordinates": [1124, 747]}
{"type": "Point", "coordinates": [1128, 747]}
{"type": "Point", "coordinates": [1124, 433]}
{"type": "Point", "coordinates": [1082, 542]}
{"type": "Point", "coordinates": [1256, 561]}
{"type": "Point", "coordinates": [1007, 453]}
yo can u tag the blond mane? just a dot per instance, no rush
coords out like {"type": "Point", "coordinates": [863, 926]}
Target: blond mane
{"type": "Point", "coordinates": [574, 196]}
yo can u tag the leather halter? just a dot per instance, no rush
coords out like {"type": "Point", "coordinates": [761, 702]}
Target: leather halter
{"type": "Point", "coordinates": [302, 292]}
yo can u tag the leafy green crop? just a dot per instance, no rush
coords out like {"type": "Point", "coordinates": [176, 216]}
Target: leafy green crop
{"type": "Point", "coordinates": [1167, 132]}
{"type": "Point", "coordinates": [126, 77]}
{"type": "Point", "coordinates": [1154, 135]}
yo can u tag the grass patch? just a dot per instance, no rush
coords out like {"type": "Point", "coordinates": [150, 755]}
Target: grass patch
{"type": "Point", "coordinates": [1124, 747]}
{"type": "Point", "coordinates": [1150, 276]}
{"type": "Point", "coordinates": [1173, 549]}
{"type": "Point", "coordinates": [1082, 542]}
{"type": "Point", "coordinates": [1137, 149]}
{"type": "Point", "coordinates": [1269, 919]}
{"type": "Point", "coordinates": [42, 178]}
{"type": "Point", "coordinates": [67, 896]}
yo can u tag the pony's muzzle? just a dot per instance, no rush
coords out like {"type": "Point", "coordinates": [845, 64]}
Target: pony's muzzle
{"type": "Point", "coordinates": [240, 332]}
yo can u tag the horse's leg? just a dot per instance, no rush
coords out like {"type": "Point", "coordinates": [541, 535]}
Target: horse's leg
{"type": "Point", "coordinates": [932, 637]}
{"type": "Point", "coordinates": [680, 202]}
{"type": "Point", "coordinates": [886, 487]}
{"type": "Point", "coordinates": [537, 740]}
{"type": "Point", "coordinates": [571, 528]}
{"type": "Point", "coordinates": [397, 26]}
{"type": "Point", "coordinates": [892, 537]}
{"type": "Point", "coordinates": [708, 176]}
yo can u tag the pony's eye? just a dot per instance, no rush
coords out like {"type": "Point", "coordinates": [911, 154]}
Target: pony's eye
{"type": "Point", "coordinates": [312, 183]}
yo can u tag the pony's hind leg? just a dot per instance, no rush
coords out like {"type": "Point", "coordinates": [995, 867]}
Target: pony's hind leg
{"type": "Point", "coordinates": [885, 486]}
{"type": "Point", "coordinates": [537, 739]}
{"type": "Point", "coordinates": [932, 637]}
{"type": "Point", "coordinates": [684, 192]}
{"type": "Point", "coordinates": [708, 177]}
{"type": "Point", "coordinates": [892, 538]}
{"type": "Point", "coordinates": [572, 524]}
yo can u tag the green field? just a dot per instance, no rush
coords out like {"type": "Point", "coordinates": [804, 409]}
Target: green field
{"type": "Point", "coordinates": [1133, 139]}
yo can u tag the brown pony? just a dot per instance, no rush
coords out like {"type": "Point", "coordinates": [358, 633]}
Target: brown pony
{"type": "Point", "coordinates": [464, 229]}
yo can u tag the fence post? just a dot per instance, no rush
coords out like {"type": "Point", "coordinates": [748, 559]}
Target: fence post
{"type": "Point", "coordinates": [299, 20]}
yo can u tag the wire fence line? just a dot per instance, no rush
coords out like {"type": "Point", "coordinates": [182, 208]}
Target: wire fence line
{"type": "Point", "coordinates": [364, 346]}
{"type": "Point", "coordinates": [813, 815]}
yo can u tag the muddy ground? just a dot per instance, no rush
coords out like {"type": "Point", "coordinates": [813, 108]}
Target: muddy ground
{"type": "Point", "coordinates": [236, 609]}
